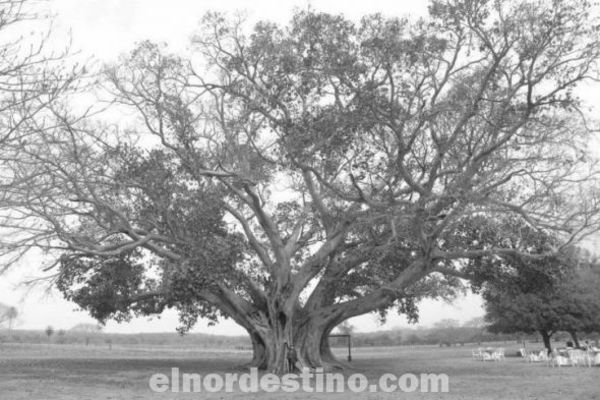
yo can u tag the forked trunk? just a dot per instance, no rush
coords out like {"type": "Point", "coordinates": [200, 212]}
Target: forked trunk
{"type": "Point", "coordinates": [287, 336]}
{"type": "Point", "coordinates": [308, 347]}
{"type": "Point", "coordinates": [299, 339]}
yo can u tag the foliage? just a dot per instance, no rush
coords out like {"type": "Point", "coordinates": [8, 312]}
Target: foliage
{"type": "Point", "coordinates": [86, 328]}
{"type": "Point", "coordinates": [545, 295]}
{"type": "Point", "coordinates": [295, 176]}
{"type": "Point", "coordinates": [49, 331]}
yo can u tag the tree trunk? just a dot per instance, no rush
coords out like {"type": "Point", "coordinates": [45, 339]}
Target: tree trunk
{"type": "Point", "coordinates": [305, 334]}
{"type": "Point", "coordinates": [277, 350]}
{"type": "Point", "coordinates": [546, 337]}
{"type": "Point", "coordinates": [312, 343]}
{"type": "Point", "coordinates": [259, 352]}
{"type": "Point", "coordinates": [288, 336]}
{"type": "Point", "coordinates": [575, 338]}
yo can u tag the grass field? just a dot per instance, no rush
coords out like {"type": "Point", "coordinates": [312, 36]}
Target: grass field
{"type": "Point", "coordinates": [48, 372]}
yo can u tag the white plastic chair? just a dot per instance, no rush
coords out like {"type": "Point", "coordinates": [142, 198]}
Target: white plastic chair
{"type": "Point", "coordinates": [579, 358]}
{"type": "Point", "coordinates": [499, 353]}
{"type": "Point", "coordinates": [540, 356]}
{"type": "Point", "coordinates": [560, 361]}
{"type": "Point", "coordinates": [595, 358]}
{"type": "Point", "coordinates": [487, 356]}
{"type": "Point", "coordinates": [532, 357]}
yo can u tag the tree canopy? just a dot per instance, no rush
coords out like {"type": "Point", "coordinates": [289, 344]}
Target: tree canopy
{"type": "Point", "coordinates": [34, 75]}
{"type": "Point", "coordinates": [546, 299]}
{"type": "Point", "coordinates": [292, 177]}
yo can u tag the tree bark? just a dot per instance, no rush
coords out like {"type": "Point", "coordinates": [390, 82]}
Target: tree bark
{"type": "Point", "coordinates": [546, 338]}
{"type": "Point", "coordinates": [259, 352]}
{"type": "Point", "coordinates": [312, 342]}
{"type": "Point", "coordinates": [575, 338]}
{"type": "Point", "coordinates": [277, 351]}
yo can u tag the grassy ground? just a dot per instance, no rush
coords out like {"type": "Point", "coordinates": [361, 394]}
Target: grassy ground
{"type": "Point", "coordinates": [66, 372]}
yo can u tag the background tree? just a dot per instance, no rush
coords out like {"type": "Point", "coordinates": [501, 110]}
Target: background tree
{"type": "Point", "coordinates": [88, 330]}
{"type": "Point", "coordinates": [543, 296]}
{"type": "Point", "coordinates": [298, 176]}
{"type": "Point", "coordinates": [85, 327]}
{"type": "Point", "coordinates": [477, 322]}
{"type": "Point", "coordinates": [11, 315]}
{"type": "Point", "coordinates": [49, 332]}
{"type": "Point", "coordinates": [446, 331]}
{"type": "Point", "coordinates": [583, 290]}
{"type": "Point", "coordinates": [479, 325]}
{"type": "Point", "coordinates": [524, 313]}
{"type": "Point", "coordinates": [447, 323]}
{"type": "Point", "coordinates": [345, 328]}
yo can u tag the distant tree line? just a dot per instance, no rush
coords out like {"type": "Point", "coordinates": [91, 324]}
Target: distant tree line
{"type": "Point", "coordinates": [438, 335]}
{"type": "Point", "coordinates": [71, 337]}
{"type": "Point", "coordinates": [449, 336]}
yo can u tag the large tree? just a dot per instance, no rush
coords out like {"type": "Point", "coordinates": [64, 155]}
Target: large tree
{"type": "Point", "coordinates": [293, 177]}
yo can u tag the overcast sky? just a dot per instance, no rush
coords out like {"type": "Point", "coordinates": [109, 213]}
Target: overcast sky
{"type": "Point", "coordinates": [108, 27]}
{"type": "Point", "coordinates": [103, 29]}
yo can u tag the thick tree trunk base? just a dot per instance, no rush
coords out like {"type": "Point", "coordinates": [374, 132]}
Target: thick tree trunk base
{"type": "Point", "coordinates": [309, 349]}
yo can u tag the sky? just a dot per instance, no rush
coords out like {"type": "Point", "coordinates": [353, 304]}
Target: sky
{"type": "Point", "coordinates": [104, 29]}
{"type": "Point", "coordinates": [109, 27]}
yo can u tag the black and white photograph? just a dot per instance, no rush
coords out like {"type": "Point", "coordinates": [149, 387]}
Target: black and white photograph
{"type": "Point", "coordinates": [299, 199]}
